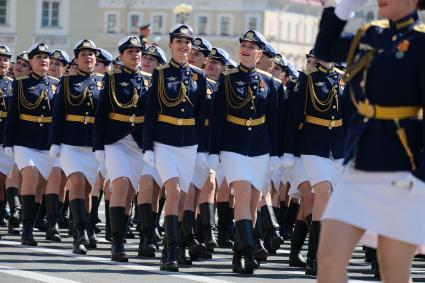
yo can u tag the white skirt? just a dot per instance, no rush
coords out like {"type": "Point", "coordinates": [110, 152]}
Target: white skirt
{"type": "Point", "coordinates": [238, 167]}
{"type": "Point", "coordinates": [297, 176]}
{"type": "Point", "coordinates": [151, 171]}
{"type": "Point", "coordinates": [6, 162]}
{"type": "Point", "coordinates": [276, 178]}
{"type": "Point", "coordinates": [267, 181]}
{"type": "Point", "coordinates": [124, 159]}
{"type": "Point", "coordinates": [321, 169]}
{"type": "Point", "coordinates": [379, 203]}
{"type": "Point", "coordinates": [25, 157]}
{"type": "Point", "coordinates": [219, 176]}
{"type": "Point", "coordinates": [102, 171]}
{"type": "Point", "coordinates": [176, 162]}
{"type": "Point", "coordinates": [79, 159]}
{"type": "Point", "coordinates": [200, 176]}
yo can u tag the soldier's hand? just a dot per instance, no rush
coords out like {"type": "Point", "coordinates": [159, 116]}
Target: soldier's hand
{"type": "Point", "coordinates": [8, 151]}
{"type": "Point", "coordinates": [274, 163]}
{"type": "Point", "coordinates": [201, 160]}
{"type": "Point", "coordinates": [100, 155]}
{"type": "Point", "coordinates": [149, 158]}
{"type": "Point", "coordinates": [54, 151]}
{"type": "Point", "coordinates": [213, 161]}
{"type": "Point", "coordinates": [288, 160]}
{"type": "Point", "coordinates": [346, 8]}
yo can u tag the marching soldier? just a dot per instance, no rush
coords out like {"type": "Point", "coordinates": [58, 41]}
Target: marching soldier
{"type": "Point", "coordinates": [26, 132]}
{"type": "Point", "coordinates": [59, 60]}
{"type": "Point", "coordinates": [71, 140]}
{"type": "Point", "coordinates": [150, 183]}
{"type": "Point", "coordinates": [317, 114]}
{"type": "Point", "coordinates": [103, 61]}
{"type": "Point", "coordinates": [384, 146]}
{"type": "Point", "coordinates": [244, 132]}
{"type": "Point", "coordinates": [118, 137]}
{"type": "Point", "coordinates": [6, 163]}
{"type": "Point", "coordinates": [173, 131]}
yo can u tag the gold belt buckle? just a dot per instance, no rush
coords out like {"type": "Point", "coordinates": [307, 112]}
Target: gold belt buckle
{"type": "Point", "coordinates": [39, 119]}
{"type": "Point", "coordinates": [131, 119]}
{"type": "Point", "coordinates": [248, 123]}
{"type": "Point", "coordinates": [86, 119]}
{"type": "Point", "coordinates": [332, 124]}
{"type": "Point", "coordinates": [179, 122]}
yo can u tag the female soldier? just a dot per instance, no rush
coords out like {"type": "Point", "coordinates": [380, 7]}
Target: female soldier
{"type": "Point", "coordinates": [118, 136]}
{"type": "Point", "coordinates": [13, 181]}
{"type": "Point", "coordinates": [174, 130]}
{"type": "Point", "coordinates": [55, 187]}
{"type": "Point", "coordinates": [244, 133]}
{"type": "Point", "coordinates": [315, 119]}
{"type": "Point", "coordinates": [6, 163]}
{"type": "Point", "coordinates": [384, 139]}
{"type": "Point", "coordinates": [71, 139]}
{"type": "Point", "coordinates": [150, 183]}
{"type": "Point", "coordinates": [26, 132]}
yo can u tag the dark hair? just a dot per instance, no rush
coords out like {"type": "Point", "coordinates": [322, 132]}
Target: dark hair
{"type": "Point", "coordinates": [421, 4]}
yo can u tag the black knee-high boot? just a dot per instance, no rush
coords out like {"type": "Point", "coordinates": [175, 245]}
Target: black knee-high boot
{"type": "Point", "coordinates": [207, 224]}
{"type": "Point", "coordinates": [291, 217]}
{"type": "Point", "coordinates": [271, 226]}
{"type": "Point", "coordinates": [64, 213]}
{"type": "Point", "coordinates": [40, 221]}
{"type": "Point", "coordinates": [14, 202]}
{"type": "Point", "coordinates": [195, 248]}
{"type": "Point", "coordinates": [29, 210]}
{"type": "Point", "coordinates": [300, 233]}
{"type": "Point", "coordinates": [156, 234]}
{"type": "Point", "coordinates": [224, 219]}
{"type": "Point", "coordinates": [313, 243]}
{"type": "Point", "coordinates": [247, 242]}
{"type": "Point", "coordinates": [281, 216]}
{"type": "Point", "coordinates": [147, 243]}
{"type": "Point", "coordinates": [160, 209]}
{"type": "Point", "coordinates": [79, 220]}
{"type": "Point", "coordinates": [118, 225]}
{"type": "Point", "coordinates": [107, 222]}
{"type": "Point", "coordinates": [261, 253]}
{"type": "Point", "coordinates": [373, 259]}
{"type": "Point", "coordinates": [169, 258]}
{"type": "Point", "coordinates": [52, 210]}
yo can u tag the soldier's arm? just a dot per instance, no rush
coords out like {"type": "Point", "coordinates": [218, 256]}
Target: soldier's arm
{"type": "Point", "coordinates": [217, 118]}
{"type": "Point", "coordinates": [201, 113]}
{"type": "Point", "coordinates": [272, 114]}
{"type": "Point", "coordinates": [58, 115]}
{"type": "Point", "coordinates": [151, 114]}
{"type": "Point", "coordinates": [101, 116]}
{"type": "Point", "coordinates": [331, 45]}
{"type": "Point", "coordinates": [12, 117]}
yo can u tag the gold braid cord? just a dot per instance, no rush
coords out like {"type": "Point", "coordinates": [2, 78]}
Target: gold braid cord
{"type": "Point", "coordinates": [165, 99]}
{"type": "Point", "coordinates": [233, 100]}
{"type": "Point", "coordinates": [70, 97]}
{"type": "Point", "coordinates": [319, 105]}
{"type": "Point", "coordinates": [25, 103]}
{"type": "Point", "coordinates": [133, 101]}
{"type": "Point", "coordinates": [2, 98]}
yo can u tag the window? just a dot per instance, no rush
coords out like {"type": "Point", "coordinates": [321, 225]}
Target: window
{"type": "Point", "coordinates": [252, 23]}
{"type": "Point", "coordinates": [157, 24]}
{"type": "Point", "coordinates": [202, 25]}
{"type": "Point", "coordinates": [111, 23]}
{"type": "Point", "coordinates": [50, 14]}
{"type": "Point", "coordinates": [289, 32]}
{"type": "Point", "coordinates": [225, 26]}
{"type": "Point", "coordinates": [134, 22]}
{"type": "Point", "coordinates": [3, 12]}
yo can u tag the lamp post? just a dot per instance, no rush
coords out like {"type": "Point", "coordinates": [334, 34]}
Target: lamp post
{"type": "Point", "coordinates": [182, 12]}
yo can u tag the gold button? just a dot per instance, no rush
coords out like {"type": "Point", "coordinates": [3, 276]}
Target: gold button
{"type": "Point", "coordinates": [365, 120]}
{"type": "Point", "coordinates": [1, 120]}
{"type": "Point", "coordinates": [184, 100]}
{"type": "Point", "coordinates": [254, 87]}
{"type": "Point", "coordinates": [249, 129]}
{"type": "Point", "coordinates": [252, 107]}
{"type": "Point", "coordinates": [87, 113]}
{"type": "Point", "coordinates": [182, 110]}
{"type": "Point", "coordinates": [132, 124]}
{"type": "Point", "coordinates": [253, 97]}
{"type": "Point", "coordinates": [333, 117]}
{"type": "Point", "coordinates": [248, 123]}
{"type": "Point", "coordinates": [186, 82]}
{"type": "Point", "coordinates": [179, 122]}
{"type": "Point", "coordinates": [41, 125]}
{"type": "Point", "coordinates": [334, 107]}
{"type": "Point", "coordinates": [88, 103]}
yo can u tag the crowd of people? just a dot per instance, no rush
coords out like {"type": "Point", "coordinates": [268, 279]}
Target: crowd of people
{"type": "Point", "coordinates": [271, 152]}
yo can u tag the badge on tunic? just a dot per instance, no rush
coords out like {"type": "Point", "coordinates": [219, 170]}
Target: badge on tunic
{"type": "Point", "coordinates": [99, 85]}
{"type": "Point", "coordinates": [171, 79]}
{"type": "Point", "coordinates": [402, 47]}
{"type": "Point", "coordinates": [320, 84]}
{"type": "Point", "coordinates": [209, 92]}
{"type": "Point", "coordinates": [124, 84]}
{"type": "Point", "coordinates": [54, 88]}
{"type": "Point", "coordinates": [146, 82]}
{"type": "Point", "coordinates": [240, 83]}
{"type": "Point", "coordinates": [31, 88]}
{"type": "Point", "coordinates": [194, 77]}
{"type": "Point", "coordinates": [297, 86]}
